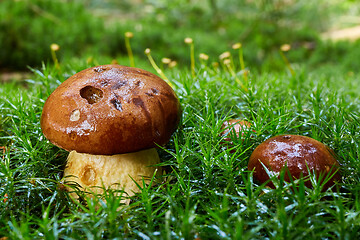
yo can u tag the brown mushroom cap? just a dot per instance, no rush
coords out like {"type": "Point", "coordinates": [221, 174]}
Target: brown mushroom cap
{"type": "Point", "coordinates": [297, 153]}
{"type": "Point", "coordinates": [234, 127]}
{"type": "Point", "coordinates": [109, 110]}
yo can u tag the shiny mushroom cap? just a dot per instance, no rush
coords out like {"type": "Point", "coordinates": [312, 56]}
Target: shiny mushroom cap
{"type": "Point", "coordinates": [109, 110]}
{"type": "Point", "coordinates": [298, 154]}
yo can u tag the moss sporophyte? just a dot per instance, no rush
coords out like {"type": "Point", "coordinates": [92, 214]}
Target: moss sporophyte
{"type": "Point", "coordinates": [190, 42]}
{"type": "Point", "coordinates": [155, 66]}
{"type": "Point", "coordinates": [128, 36]}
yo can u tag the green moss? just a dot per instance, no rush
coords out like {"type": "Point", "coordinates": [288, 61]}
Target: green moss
{"type": "Point", "coordinates": [207, 191]}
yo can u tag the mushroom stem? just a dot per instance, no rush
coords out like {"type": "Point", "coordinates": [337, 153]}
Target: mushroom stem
{"type": "Point", "coordinates": [95, 173]}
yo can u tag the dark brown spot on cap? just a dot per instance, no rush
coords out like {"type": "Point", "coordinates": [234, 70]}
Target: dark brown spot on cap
{"type": "Point", "coordinates": [138, 83]}
{"type": "Point", "coordinates": [155, 91]}
{"type": "Point", "coordinates": [100, 69]}
{"type": "Point", "coordinates": [119, 84]}
{"type": "Point", "coordinates": [138, 102]}
{"type": "Point", "coordinates": [104, 82]}
{"type": "Point", "coordinates": [116, 103]}
{"type": "Point", "coordinates": [152, 92]}
{"type": "Point", "coordinates": [91, 94]}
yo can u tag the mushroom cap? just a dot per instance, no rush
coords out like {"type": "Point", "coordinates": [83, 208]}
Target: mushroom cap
{"type": "Point", "coordinates": [298, 154]}
{"type": "Point", "coordinates": [234, 127]}
{"type": "Point", "coordinates": [111, 109]}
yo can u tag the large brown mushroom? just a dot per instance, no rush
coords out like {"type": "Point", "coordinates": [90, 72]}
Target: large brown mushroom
{"type": "Point", "coordinates": [111, 118]}
{"type": "Point", "coordinates": [298, 154]}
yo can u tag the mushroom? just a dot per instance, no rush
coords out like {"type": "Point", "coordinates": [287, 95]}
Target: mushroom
{"type": "Point", "coordinates": [298, 154]}
{"type": "Point", "coordinates": [234, 127]}
{"type": "Point", "coordinates": [111, 118]}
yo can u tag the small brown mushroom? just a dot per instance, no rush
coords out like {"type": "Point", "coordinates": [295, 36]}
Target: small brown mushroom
{"type": "Point", "coordinates": [298, 154]}
{"type": "Point", "coordinates": [233, 128]}
{"type": "Point", "coordinates": [111, 118]}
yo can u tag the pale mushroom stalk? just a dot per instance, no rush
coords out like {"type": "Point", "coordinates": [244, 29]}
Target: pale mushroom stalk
{"type": "Point", "coordinates": [95, 173]}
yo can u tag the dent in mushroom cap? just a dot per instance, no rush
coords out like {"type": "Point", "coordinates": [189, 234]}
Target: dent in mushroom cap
{"type": "Point", "coordinates": [297, 153]}
{"type": "Point", "coordinates": [111, 109]}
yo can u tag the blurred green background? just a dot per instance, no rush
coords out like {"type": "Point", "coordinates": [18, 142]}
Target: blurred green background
{"type": "Point", "coordinates": [93, 28]}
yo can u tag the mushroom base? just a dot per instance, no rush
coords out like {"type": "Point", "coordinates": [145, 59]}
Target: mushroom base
{"type": "Point", "coordinates": [96, 173]}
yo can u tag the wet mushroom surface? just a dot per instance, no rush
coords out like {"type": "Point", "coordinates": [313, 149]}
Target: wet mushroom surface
{"type": "Point", "coordinates": [298, 154]}
{"type": "Point", "coordinates": [110, 109]}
